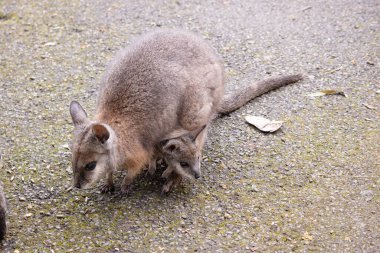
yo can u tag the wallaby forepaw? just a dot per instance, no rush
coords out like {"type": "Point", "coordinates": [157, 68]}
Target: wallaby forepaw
{"type": "Point", "coordinates": [166, 173]}
{"type": "Point", "coordinates": [168, 187]}
{"type": "Point", "coordinates": [105, 188]}
{"type": "Point", "coordinates": [165, 189]}
{"type": "Point", "coordinates": [151, 170]}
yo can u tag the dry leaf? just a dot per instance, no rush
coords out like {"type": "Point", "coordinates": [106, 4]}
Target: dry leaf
{"type": "Point", "coordinates": [326, 92]}
{"type": "Point", "coordinates": [264, 124]}
{"type": "Point", "coordinates": [378, 91]}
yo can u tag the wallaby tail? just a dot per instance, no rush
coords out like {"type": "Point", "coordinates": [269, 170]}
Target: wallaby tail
{"type": "Point", "coordinates": [236, 99]}
{"type": "Point", "coordinates": [3, 223]}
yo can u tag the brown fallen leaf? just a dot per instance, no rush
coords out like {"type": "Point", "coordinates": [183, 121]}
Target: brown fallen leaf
{"type": "Point", "coordinates": [327, 92]}
{"type": "Point", "coordinates": [264, 124]}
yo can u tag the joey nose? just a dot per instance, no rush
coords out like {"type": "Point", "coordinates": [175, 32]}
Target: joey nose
{"type": "Point", "coordinates": [197, 175]}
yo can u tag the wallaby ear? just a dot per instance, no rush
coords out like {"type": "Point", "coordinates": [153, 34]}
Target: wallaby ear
{"type": "Point", "coordinates": [170, 146]}
{"type": "Point", "coordinates": [78, 114]}
{"type": "Point", "coordinates": [196, 137]}
{"type": "Point", "coordinates": [101, 132]}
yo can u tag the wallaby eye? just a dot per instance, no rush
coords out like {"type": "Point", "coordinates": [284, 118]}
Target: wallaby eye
{"type": "Point", "coordinates": [184, 164]}
{"type": "Point", "coordinates": [90, 166]}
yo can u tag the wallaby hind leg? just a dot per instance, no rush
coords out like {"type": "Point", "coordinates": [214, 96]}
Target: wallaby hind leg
{"type": "Point", "coordinates": [126, 185]}
{"type": "Point", "coordinates": [174, 179]}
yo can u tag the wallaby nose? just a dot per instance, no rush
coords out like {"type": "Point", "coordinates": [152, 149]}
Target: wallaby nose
{"type": "Point", "coordinates": [197, 175]}
{"type": "Point", "coordinates": [77, 185]}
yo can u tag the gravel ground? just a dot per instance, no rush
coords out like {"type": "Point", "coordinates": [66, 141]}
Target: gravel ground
{"type": "Point", "coordinates": [311, 187]}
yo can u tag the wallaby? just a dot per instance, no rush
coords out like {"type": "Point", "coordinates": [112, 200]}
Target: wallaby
{"type": "Point", "coordinates": [166, 84]}
{"type": "Point", "coordinates": [182, 157]}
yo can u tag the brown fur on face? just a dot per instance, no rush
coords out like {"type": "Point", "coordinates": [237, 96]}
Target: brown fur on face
{"type": "Point", "coordinates": [183, 155]}
{"type": "Point", "coordinates": [92, 150]}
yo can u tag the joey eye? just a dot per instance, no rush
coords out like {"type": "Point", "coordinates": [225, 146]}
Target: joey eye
{"type": "Point", "coordinates": [184, 164]}
{"type": "Point", "coordinates": [90, 166]}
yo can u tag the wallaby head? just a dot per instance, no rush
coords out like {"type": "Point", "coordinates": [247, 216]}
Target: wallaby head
{"type": "Point", "coordinates": [92, 148]}
{"type": "Point", "coordinates": [183, 154]}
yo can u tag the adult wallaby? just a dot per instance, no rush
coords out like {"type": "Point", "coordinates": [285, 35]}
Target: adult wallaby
{"type": "Point", "coordinates": [166, 84]}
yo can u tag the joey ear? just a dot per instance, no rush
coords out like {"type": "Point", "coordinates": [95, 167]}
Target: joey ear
{"type": "Point", "coordinates": [78, 114]}
{"type": "Point", "coordinates": [101, 132]}
{"type": "Point", "coordinates": [197, 136]}
{"type": "Point", "coordinates": [171, 146]}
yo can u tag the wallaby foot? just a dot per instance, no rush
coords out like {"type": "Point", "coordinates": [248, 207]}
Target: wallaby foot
{"type": "Point", "coordinates": [172, 182]}
{"type": "Point", "coordinates": [126, 186]}
{"type": "Point", "coordinates": [105, 188]}
{"type": "Point", "coordinates": [126, 189]}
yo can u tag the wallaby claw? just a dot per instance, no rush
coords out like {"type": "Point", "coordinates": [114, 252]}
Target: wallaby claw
{"type": "Point", "coordinates": [168, 187]}
{"type": "Point", "coordinates": [173, 181]}
{"type": "Point", "coordinates": [165, 189]}
{"type": "Point", "coordinates": [105, 188]}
